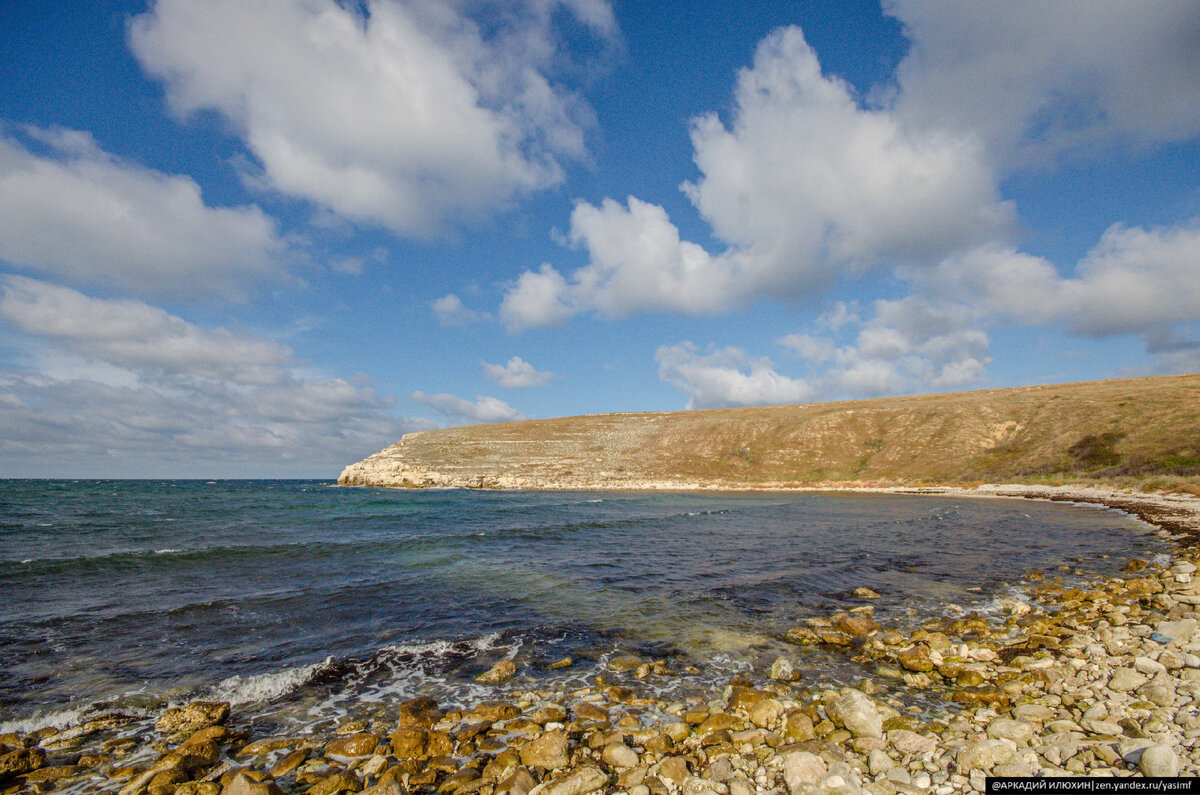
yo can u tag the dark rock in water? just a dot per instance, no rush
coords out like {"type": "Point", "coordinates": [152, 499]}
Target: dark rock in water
{"type": "Point", "coordinates": [916, 658]}
{"type": "Point", "coordinates": [498, 674]}
{"type": "Point", "coordinates": [421, 713]}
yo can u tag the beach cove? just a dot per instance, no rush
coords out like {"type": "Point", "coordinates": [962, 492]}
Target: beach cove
{"type": "Point", "coordinates": [1061, 674]}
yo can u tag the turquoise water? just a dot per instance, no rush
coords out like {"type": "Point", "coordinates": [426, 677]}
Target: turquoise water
{"type": "Point", "coordinates": [300, 597]}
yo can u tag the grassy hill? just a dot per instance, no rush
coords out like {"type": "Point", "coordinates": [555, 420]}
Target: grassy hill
{"type": "Point", "coordinates": [1143, 430]}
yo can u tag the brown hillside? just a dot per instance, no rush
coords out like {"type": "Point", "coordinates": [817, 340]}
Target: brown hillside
{"type": "Point", "coordinates": [1116, 429]}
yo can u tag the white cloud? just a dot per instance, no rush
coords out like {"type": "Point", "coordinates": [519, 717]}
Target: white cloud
{"type": "Point", "coordinates": [1135, 280]}
{"type": "Point", "coordinates": [726, 377]}
{"type": "Point", "coordinates": [133, 334]}
{"type": "Point", "coordinates": [1037, 80]}
{"type": "Point", "coordinates": [517, 374]}
{"type": "Point", "coordinates": [911, 344]}
{"type": "Point", "coordinates": [537, 299]}
{"type": "Point", "coordinates": [463, 412]}
{"type": "Point", "coordinates": [85, 216]}
{"type": "Point", "coordinates": [118, 387]}
{"type": "Point", "coordinates": [451, 311]}
{"type": "Point", "coordinates": [803, 185]}
{"type": "Point", "coordinates": [410, 115]}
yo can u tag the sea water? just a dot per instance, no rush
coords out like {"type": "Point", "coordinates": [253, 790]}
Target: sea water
{"type": "Point", "coordinates": [300, 601]}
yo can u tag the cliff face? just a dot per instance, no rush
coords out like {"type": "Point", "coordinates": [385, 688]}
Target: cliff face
{"type": "Point", "coordinates": [1130, 427]}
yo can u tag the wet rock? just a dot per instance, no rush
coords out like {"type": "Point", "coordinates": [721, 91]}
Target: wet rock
{"type": "Point", "coordinates": [550, 713]}
{"type": "Point", "coordinates": [362, 744]}
{"type": "Point", "coordinates": [784, 670]}
{"type": "Point", "coordinates": [21, 761]}
{"type": "Point", "coordinates": [548, 752]}
{"type": "Point", "coordinates": [856, 713]}
{"type": "Point", "coordinates": [409, 743]}
{"type": "Point", "coordinates": [193, 716]}
{"type": "Point", "coordinates": [498, 674]}
{"type": "Point", "coordinates": [251, 782]}
{"type": "Point", "coordinates": [493, 711]}
{"type": "Point", "coordinates": [673, 769]}
{"type": "Point", "coordinates": [624, 662]}
{"type": "Point", "coordinates": [338, 782]}
{"type": "Point", "coordinates": [565, 662]}
{"type": "Point", "coordinates": [1159, 760]}
{"type": "Point", "coordinates": [916, 658]}
{"type": "Point", "coordinates": [619, 755]}
{"type": "Point", "coordinates": [854, 625]}
{"type": "Point", "coordinates": [519, 782]}
{"type": "Point", "coordinates": [290, 762]}
{"type": "Point", "coordinates": [863, 592]}
{"type": "Point", "coordinates": [584, 780]}
{"type": "Point", "coordinates": [766, 713]}
{"type": "Point", "coordinates": [420, 713]}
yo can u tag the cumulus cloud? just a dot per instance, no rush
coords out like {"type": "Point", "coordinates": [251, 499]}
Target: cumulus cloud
{"type": "Point", "coordinates": [121, 387]}
{"type": "Point", "coordinates": [1039, 80]}
{"type": "Point", "coordinates": [726, 377]}
{"type": "Point", "coordinates": [451, 311]}
{"type": "Point", "coordinates": [69, 209]}
{"type": "Point", "coordinates": [517, 373]}
{"type": "Point", "coordinates": [410, 115]}
{"type": "Point", "coordinates": [1133, 281]}
{"type": "Point", "coordinates": [464, 412]}
{"type": "Point", "coordinates": [908, 345]}
{"type": "Point", "coordinates": [804, 184]}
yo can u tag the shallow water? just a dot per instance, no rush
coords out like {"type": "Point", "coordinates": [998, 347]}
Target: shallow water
{"type": "Point", "coordinates": [298, 600]}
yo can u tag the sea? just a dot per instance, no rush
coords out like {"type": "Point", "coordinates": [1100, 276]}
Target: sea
{"type": "Point", "coordinates": [303, 603]}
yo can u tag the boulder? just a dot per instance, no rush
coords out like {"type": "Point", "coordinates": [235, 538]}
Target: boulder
{"type": "Point", "coordinates": [193, 716]}
{"type": "Point", "coordinates": [548, 752]}
{"type": "Point", "coordinates": [420, 713]}
{"type": "Point", "coordinates": [983, 755]}
{"type": "Point", "coordinates": [498, 674]}
{"type": "Point", "coordinates": [784, 670]}
{"type": "Point", "coordinates": [916, 658]}
{"type": "Point", "coordinates": [584, 780]}
{"type": "Point", "coordinates": [1125, 679]}
{"type": "Point", "coordinates": [856, 713]}
{"type": "Point", "coordinates": [1159, 760]}
{"type": "Point", "coordinates": [619, 755]}
{"type": "Point", "coordinates": [361, 744]}
{"type": "Point", "coordinates": [802, 768]}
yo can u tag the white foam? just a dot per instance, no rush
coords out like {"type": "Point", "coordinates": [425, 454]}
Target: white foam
{"type": "Point", "coordinates": [265, 687]}
{"type": "Point", "coordinates": [58, 719]}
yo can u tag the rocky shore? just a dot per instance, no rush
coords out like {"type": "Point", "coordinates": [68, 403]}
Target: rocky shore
{"type": "Point", "coordinates": [1093, 678]}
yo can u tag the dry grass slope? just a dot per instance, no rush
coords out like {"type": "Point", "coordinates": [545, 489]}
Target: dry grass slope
{"type": "Point", "coordinates": [1130, 431]}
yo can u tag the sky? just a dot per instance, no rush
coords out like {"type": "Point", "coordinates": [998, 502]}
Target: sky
{"type": "Point", "coordinates": [266, 238]}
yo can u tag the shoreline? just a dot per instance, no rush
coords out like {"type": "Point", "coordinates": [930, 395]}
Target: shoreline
{"type": "Point", "coordinates": [1078, 681]}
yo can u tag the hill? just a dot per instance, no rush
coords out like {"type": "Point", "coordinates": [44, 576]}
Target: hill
{"type": "Point", "coordinates": [1144, 430]}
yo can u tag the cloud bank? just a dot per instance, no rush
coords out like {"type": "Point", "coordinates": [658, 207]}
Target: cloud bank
{"type": "Point", "coordinates": [119, 387]}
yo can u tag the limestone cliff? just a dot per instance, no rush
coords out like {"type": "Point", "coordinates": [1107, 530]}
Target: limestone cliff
{"type": "Point", "coordinates": [1144, 427]}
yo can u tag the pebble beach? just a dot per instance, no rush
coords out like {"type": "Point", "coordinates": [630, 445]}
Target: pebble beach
{"type": "Point", "coordinates": [1097, 677]}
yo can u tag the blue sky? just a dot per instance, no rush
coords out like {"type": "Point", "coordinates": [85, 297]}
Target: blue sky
{"type": "Point", "coordinates": [265, 239]}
